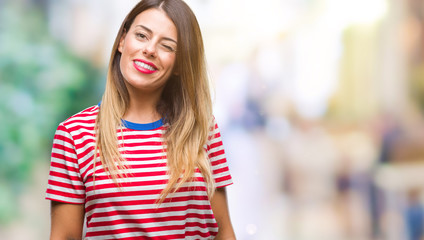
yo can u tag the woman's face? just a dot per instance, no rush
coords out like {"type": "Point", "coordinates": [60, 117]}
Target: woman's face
{"type": "Point", "coordinates": [148, 51]}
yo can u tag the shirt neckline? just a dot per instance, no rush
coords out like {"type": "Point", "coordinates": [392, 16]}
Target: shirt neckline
{"type": "Point", "coordinates": [142, 126]}
{"type": "Point", "coordinates": [139, 126]}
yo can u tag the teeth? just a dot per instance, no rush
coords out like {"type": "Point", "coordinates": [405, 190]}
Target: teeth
{"type": "Point", "coordinates": [143, 65]}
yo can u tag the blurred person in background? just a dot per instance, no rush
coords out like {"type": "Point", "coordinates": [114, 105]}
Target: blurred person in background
{"type": "Point", "coordinates": [414, 215]}
{"type": "Point", "coordinates": [147, 162]}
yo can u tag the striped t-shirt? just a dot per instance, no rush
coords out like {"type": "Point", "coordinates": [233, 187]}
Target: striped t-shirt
{"type": "Point", "coordinates": [131, 211]}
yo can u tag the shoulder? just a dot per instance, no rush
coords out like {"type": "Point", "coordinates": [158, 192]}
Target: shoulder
{"type": "Point", "coordinates": [213, 127]}
{"type": "Point", "coordinates": [84, 117]}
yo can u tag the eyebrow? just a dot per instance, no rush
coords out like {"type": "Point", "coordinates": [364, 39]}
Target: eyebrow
{"type": "Point", "coordinates": [150, 31]}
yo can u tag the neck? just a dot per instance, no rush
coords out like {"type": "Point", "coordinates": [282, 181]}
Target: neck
{"type": "Point", "coordinates": [142, 108]}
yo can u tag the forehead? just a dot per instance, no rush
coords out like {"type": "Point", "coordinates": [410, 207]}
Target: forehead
{"type": "Point", "coordinates": [157, 21]}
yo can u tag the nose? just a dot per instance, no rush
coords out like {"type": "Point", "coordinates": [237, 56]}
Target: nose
{"type": "Point", "coordinates": [149, 49]}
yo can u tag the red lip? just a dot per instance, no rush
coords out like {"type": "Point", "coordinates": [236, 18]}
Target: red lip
{"type": "Point", "coordinates": [142, 69]}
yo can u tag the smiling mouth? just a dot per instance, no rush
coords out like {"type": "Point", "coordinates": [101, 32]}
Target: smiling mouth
{"type": "Point", "coordinates": [145, 66]}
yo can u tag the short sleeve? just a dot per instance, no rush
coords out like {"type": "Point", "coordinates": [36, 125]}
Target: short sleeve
{"type": "Point", "coordinates": [216, 153]}
{"type": "Point", "coordinates": [65, 183]}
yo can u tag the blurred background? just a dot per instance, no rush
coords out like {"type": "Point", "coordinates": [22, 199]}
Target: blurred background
{"type": "Point", "coordinates": [320, 104]}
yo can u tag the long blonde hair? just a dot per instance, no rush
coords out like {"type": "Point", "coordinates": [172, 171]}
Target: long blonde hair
{"type": "Point", "coordinates": [185, 104]}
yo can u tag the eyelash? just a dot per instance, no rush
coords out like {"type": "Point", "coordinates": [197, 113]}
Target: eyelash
{"type": "Point", "coordinates": [168, 47]}
{"type": "Point", "coordinates": [144, 37]}
{"type": "Point", "coordinates": [141, 35]}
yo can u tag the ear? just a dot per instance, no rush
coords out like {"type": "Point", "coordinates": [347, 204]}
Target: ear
{"type": "Point", "coordinates": [122, 42]}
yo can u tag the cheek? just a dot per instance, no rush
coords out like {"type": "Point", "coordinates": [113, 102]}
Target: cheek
{"type": "Point", "coordinates": [125, 62]}
{"type": "Point", "coordinates": [129, 47]}
{"type": "Point", "coordinates": [170, 61]}
{"type": "Point", "coordinates": [123, 65]}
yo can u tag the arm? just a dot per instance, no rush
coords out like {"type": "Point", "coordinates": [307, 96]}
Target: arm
{"type": "Point", "coordinates": [220, 210]}
{"type": "Point", "coordinates": [67, 221]}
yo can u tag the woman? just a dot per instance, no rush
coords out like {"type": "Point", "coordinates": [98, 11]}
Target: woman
{"type": "Point", "coordinates": [148, 161]}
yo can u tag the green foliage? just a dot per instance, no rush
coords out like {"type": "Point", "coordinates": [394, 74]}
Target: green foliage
{"type": "Point", "coordinates": [41, 84]}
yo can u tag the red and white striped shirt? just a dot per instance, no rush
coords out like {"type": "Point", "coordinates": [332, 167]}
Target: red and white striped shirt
{"type": "Point", "coordinates": [131, 211]}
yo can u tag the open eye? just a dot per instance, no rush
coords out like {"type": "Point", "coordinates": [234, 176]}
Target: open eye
{"type": "Point", "coordinates": [141, 36]}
